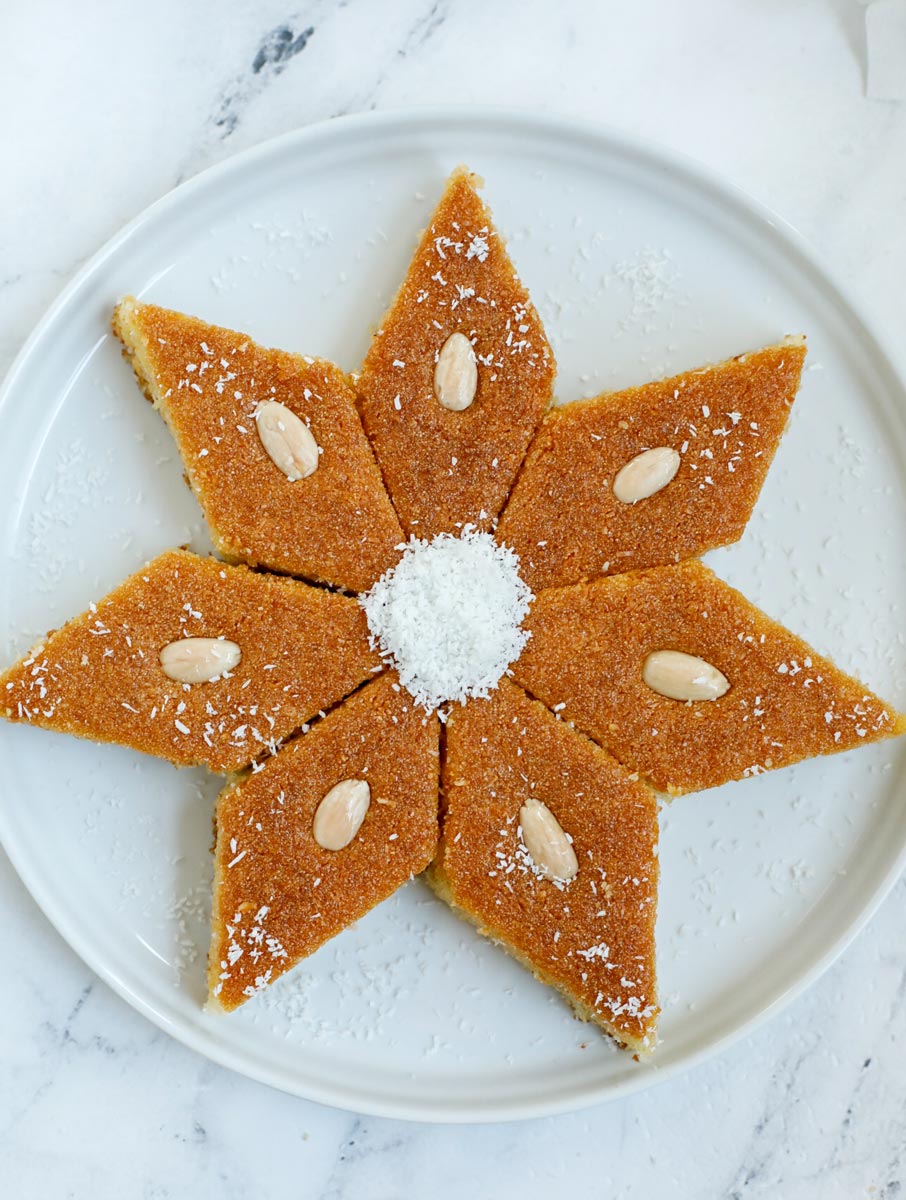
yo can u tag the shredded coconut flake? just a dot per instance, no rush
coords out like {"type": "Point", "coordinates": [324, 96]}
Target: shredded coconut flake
{"type": "Point", "coordinates": [448, 616]}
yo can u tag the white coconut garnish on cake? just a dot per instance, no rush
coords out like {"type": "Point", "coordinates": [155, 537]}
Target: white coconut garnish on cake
{"type": "Point", "coordinates": [448, 617]}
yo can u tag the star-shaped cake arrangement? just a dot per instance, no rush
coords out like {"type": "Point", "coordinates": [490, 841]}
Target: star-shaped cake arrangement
{"type": "Point", "coordinates": [453, 629]}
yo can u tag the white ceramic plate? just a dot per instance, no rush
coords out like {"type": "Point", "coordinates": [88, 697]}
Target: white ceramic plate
{"type": "Point", "coordinates": [640, 265]}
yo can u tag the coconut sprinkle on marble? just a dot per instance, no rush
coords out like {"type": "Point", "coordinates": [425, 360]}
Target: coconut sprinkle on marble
{"type": "Point", "coordinates": [448, 617]}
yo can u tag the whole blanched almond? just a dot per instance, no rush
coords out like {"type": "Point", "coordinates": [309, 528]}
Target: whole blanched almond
{"type": "Point", "coordinates": [199, 659]}
{"type": "Point", "coordinates": [647, 473]}
{"type": "Point", "coordinates": [456, 373]}
{"type": "Point", "coordinates": [681, 676]}
{"type": "Point", "coordinates": [340, 814]}
{"type": "Point", "coordinates": [549, 848]}
{"type": "Point", "coordinates": [289, 443]}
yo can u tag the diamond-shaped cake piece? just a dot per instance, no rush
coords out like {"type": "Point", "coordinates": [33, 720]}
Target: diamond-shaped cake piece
{"type": "Point", "coordinates": [326, 517]}
{"type": "Point", "coordinates": [591, 935]}
{"type": "Point", "coordinates": [194, 661]}
{"type": "Point", "coordinates": [448, 466]}
{"type": "Point", "coordinates": [279, 894]}
{"type": "Point", "coordinates": [579, 511]}
{"type": "Point", "coordinates": [777, 700]}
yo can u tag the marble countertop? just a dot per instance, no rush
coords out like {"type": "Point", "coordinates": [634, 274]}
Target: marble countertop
{"type": "Point", "coordinates": [104, 109]}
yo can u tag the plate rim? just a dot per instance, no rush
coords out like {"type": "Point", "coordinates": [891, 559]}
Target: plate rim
{"type": "Point", "coordinates": [601, 137]}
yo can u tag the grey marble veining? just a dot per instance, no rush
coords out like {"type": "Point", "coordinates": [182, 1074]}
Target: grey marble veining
{"type": "Point", "coordinates": [276, 50]}
{"type": "Point", "coordinates": [106, 115]}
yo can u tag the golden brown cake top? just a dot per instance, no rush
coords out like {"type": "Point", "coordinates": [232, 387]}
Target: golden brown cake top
{"type": "Point", "coordinates": [336, 525]}
{"type": "Point", "coordinates": [278, 894]}
{"type": "Point", "coordinates": [445, 468]}
{"type": "Point", "coordinates": [100, 676]}
{"type": "Point", "coordinates": [723, 423]}
{"type": "Point", "coordinates": [785, 702]}
{"type": "Point", "coordinates": [592, 937]}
